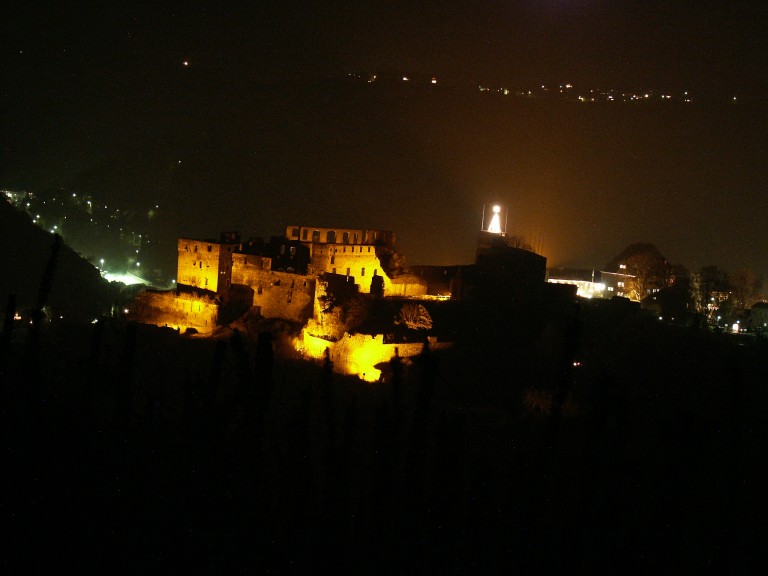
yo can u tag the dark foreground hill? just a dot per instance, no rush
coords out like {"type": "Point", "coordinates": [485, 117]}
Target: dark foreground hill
{"type": "Point", "coordinates": [39, 269]}
{"type": "Point", "coordinates": [601, 443]}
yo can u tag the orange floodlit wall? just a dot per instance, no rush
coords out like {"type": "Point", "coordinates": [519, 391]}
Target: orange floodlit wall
{"type": "Point", "coordinates": [179, 311]}
{"type": "Point", "coordinates": [276, 294]}
{"type": "Point", "coordinates": [358, 354]}
{"type": "Point", "coordinates": [204, 264]}
{"type": "Point", "coordinates": [358, 261]}
{"type": "Point", "coordinates": [312, 235]}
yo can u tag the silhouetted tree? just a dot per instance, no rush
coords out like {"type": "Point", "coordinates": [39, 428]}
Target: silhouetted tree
{"type": "Point", "coordinates": [414, 316]}
{"type": "Point", "coordinates": [647, 267]}
{"type": "Point", "coordinates": [745, 288]}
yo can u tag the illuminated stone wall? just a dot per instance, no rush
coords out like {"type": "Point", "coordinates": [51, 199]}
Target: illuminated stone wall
{"type": "Point", "coordinates": [406, 285]}
{"type": "Point", "coordinates": [175, 310]}
{"type": "Point", "coordinates": [358, 354]}
{"type": "Point", "coordinates": [205, 264]}
{"type": "Point", "coordinates": [313, 235]}
{"type": "Point", "coordinates": [277, 294]}
{"type": "Point", "coordinates": [358, 261]}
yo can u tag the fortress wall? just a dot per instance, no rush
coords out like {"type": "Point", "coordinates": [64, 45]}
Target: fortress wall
{"type": "Point", "coordinates": [203, 264]}
{"type": "Point", "coordinates": [358, 354]}
{"type": "Point", "coordinates": [409, 285]}
{"type": "Point", "coordinates": [360, 262]}
{"type": "Point", "coordinates": [277, 294]}
{"type": "Point", "coordinates": [180, 311]}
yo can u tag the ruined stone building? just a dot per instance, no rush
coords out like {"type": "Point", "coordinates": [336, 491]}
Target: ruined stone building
{"type": "Point", "coordinates": [295, 276]}
{"type": "Point", "coordinates": [282, 273]}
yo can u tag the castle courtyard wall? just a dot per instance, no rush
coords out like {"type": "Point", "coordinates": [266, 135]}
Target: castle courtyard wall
{"type": "Point", "coordinates": [175, 310]}
{"type": "Point", "coordinates": [204, 264]}
{"type": "Point", "coordinates": [358, 354]}
{"type": "Point", "coordinates": [277, 294]}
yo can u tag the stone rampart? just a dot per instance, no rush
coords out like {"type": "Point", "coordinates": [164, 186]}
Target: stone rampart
{"type": "Point", "coordinates": [176, 310]}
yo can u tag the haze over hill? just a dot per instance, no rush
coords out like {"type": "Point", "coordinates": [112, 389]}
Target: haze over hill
{"type": "Point", "coordinates": [422, 160]}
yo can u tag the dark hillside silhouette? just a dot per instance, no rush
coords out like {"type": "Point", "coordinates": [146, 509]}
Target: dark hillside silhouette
{"type": "Point", "coordinates": [76, 289]}
{"type": "Point", "coordinates": [585, 439]}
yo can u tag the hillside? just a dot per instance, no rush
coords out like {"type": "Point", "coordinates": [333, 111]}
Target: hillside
{"type": "Point", "coordinates": [74, 288]}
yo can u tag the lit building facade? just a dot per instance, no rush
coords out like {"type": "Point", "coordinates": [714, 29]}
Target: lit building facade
{"type": "Point", "coordinates": [354, 253]}
{"type": "Point", "coordinates": [205, 264]}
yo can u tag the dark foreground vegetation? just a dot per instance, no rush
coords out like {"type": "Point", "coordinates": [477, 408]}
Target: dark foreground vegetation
{"type": "Point", "coordinates": [589, 441]}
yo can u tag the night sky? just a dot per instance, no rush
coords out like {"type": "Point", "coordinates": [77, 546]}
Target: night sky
{"type": "Point", "coordinates": [263, 126]}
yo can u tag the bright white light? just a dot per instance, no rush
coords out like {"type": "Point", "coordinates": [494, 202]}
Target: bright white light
{"type": "Point", "coordinates": [127, 279]}
{"type": "Point", "coordinates": [495, 225]}
{"type": "Point", "coordinates": [434, 81]}
{"type": "Point", "coordinates": [405, 78]}
{"type": "Point", "coordinates": [735, 328]}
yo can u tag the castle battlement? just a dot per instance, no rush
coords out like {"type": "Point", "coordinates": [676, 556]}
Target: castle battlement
{"type": "Point", "coordinates": [317, 235]}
